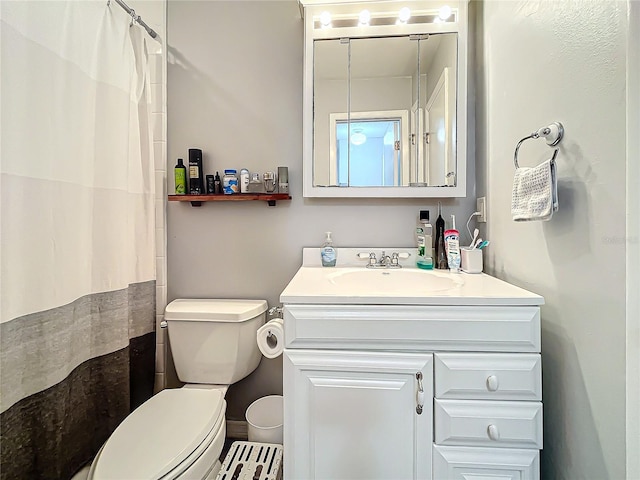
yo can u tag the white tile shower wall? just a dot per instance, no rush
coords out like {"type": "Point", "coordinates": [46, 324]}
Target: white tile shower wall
{"type": "Point", "coordinates": [154, 13]}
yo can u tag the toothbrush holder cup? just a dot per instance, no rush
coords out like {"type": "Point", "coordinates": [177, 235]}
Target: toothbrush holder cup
{"type": "Point", "coordinates": [471, 260]}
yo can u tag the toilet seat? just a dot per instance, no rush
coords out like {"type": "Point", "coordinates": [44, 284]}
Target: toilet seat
{"type": "Point", "coordinates": [162, 434]}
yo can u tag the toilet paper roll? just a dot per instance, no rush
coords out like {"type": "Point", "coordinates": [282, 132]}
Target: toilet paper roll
{"type": "Point", "coordinates": [271, 338]}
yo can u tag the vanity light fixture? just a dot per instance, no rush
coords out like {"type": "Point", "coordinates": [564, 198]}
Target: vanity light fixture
{"type": "Point", "coordinates": [404, 15]}
{"type": "Point", "coordinates": [358, 137]}
{"type": "Point", "coordinates": [325, 19]}
{"type": "Point", "coordinates": [444, 12]}
{"type": "Point", "coordinates": [364, 18]}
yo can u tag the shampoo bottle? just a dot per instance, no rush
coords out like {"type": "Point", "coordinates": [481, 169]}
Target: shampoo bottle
{"type": "Point", "coordinates": [424, 235]}
{"type": "Point", "coordinates": [196, 176]}
{"type": "Point", "coordinates": [441, 254]}
{"type": "Point", "coordinates": [180, 173]}
{"type": "Point", "coordinates": [328, 253]}
{"type": "Point", "coordinates": [452, 244]}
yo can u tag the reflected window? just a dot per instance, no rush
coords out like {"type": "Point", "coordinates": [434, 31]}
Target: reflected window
{"type": "Point", "coordinates": [369, 149]}
{"type": "Point", "coordinates": [368, 153]}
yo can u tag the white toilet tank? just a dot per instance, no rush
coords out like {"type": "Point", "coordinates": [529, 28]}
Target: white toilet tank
{"type": "Point", "coordinates": [213, 341]}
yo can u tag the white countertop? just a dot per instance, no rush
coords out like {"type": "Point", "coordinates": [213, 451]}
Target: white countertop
{"type": "Point", "coordinates": [345, 284]}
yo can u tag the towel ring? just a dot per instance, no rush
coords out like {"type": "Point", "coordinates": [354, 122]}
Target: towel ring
{"type": "Point", "coordinates": [552, 133]}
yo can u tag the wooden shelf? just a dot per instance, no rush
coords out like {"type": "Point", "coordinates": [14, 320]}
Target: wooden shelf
{"type": "Point", "coordinates": [196, 200]}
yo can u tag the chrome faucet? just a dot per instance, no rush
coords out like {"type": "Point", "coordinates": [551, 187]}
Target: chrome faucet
{"type": "Point", "coordinates": [385, 261]}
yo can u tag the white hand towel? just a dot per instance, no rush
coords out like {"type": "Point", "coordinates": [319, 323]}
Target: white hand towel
{"type": "Point", "coordinates": [535, 192]}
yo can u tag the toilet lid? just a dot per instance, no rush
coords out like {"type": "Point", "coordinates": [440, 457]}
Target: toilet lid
{"type": "Point", "coordinates": [160, 434]}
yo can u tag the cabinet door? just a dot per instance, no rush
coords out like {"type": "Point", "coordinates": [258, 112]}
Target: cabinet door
{"type": "Point", "coordinates": [463, 463]}
{"type": "Point", "coordinates": [353, 415]}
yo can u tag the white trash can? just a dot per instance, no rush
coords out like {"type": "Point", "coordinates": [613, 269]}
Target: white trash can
{"type": "Point", "coordinates": [264, 419]}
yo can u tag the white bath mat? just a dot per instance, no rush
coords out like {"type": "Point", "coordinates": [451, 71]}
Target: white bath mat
{"type": "Point", "coordinates": [252, 461]}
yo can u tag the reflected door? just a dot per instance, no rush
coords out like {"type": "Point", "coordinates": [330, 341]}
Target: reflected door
{"type": "Point", "coordinates": [436, 121]}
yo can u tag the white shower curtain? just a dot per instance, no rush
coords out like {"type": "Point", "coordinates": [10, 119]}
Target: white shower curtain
{"type": "Point", "coordinates": [77, 252]}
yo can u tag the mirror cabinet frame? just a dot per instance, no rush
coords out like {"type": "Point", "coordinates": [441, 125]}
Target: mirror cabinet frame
{"type": "Point", "coordinates": [311, 10]}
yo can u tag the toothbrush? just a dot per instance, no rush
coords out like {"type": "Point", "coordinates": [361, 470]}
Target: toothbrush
{"type": "Point", "coordinates": [478, 242]}
{"type": "Point", "coordinates": [483, 244]}
{"type": "Point", "coordinates": [475, 235]}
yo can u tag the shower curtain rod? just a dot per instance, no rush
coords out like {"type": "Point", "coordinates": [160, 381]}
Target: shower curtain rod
{"type": "Point", "coordinates": [136, 18]}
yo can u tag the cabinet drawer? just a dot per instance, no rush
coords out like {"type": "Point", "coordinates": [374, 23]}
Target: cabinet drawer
{"type": "Point", "coordinates": [488, 376]}
{"type": "Point", "coordinates": [413, 328]}
{"type": "Point", "coordinates": [455, 463]}
{"type": "Point", "coordinates": [485, 423]}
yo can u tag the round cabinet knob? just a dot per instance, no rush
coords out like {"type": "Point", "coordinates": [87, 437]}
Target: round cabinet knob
{"type": "Point", "coordinates": [492, 431]}
{"type": "Point", "coordinates": [492, 383]}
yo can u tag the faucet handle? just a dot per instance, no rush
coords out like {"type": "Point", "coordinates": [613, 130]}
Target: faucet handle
{"type": "Point", "coordinates": [372, 258]}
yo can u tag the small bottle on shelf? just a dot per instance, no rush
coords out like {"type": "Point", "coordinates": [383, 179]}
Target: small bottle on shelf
{"type": "Point", "coordinates": [180, 175]}
{"type": "Point", "coordinates": [230, 182]}
{"type": "Point", "coordinates": [244, 181]}
{"type": "Point", "coordinates": [217, 184]}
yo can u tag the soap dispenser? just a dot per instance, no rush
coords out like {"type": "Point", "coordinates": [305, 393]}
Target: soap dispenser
{"type": "Point", "coordinates": [328, 253]}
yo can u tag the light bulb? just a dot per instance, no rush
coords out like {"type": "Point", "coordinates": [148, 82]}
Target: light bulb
{"type": "Point", "coordinates": [364, 18]}
{"type": "Point", "coordinates": [404, 14]}
{"type": "Point", "coordinates": [358, 137]}
{"type": "Point", "coordinates": [325, 19]}
{"type": "Point", "coordinates": [444, 12]}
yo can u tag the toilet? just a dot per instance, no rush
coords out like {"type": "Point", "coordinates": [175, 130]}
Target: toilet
{"type": "Point", "coordinates": [179, 433]}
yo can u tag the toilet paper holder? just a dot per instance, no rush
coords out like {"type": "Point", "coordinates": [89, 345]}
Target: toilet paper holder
{"type": "Point", "coordinates": [270, 336]}
{"type": "Point", "coordinates": [273, 312]}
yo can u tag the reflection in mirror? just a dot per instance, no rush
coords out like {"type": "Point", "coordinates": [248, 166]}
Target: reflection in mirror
{"type": "Point", "coordinates": [366, 149]}
{"type": "Point", "coordinates": [381, 87]}
{"type": "Point", "coordinates": [330, 94]}
{"type": "Point", "coordinates": [404, 86]}
{"type": "Point", "coordinates": [437, 65]}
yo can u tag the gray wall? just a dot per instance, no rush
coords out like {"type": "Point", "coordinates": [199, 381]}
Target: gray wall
{"type": "Point", "coordinates": [234, 89]}
{"type": "Point", "coordinates": [540, 62]}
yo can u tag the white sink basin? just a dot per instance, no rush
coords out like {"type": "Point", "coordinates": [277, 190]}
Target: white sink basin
{"type": "Point", "coordinates": [392, 281]}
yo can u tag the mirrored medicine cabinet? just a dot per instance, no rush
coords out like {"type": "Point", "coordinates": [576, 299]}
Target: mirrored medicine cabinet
{"type": "Point", "coordinates": [385, 99]}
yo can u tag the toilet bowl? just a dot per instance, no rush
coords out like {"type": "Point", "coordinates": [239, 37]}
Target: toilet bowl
{"type": "Point", "coordinates": [180, 433]}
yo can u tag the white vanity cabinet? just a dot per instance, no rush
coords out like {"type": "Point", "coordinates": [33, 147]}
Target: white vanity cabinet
{"type": "Point", "coordinates": [353, 414]}
{"type": "Point", "coordinates": [357, 369]}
